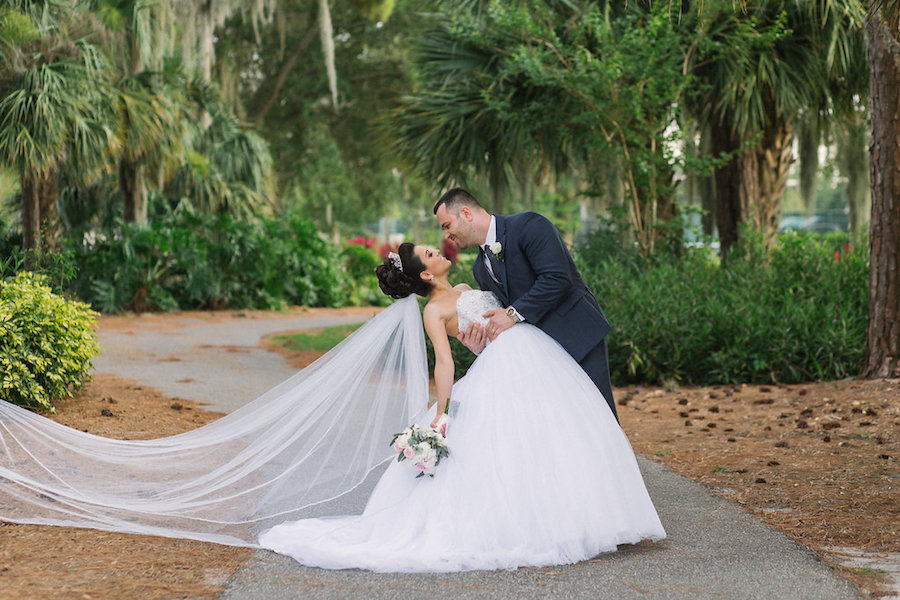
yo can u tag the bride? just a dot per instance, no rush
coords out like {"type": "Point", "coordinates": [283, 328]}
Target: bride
{"type": "Point", "coordinates": [539, 472]}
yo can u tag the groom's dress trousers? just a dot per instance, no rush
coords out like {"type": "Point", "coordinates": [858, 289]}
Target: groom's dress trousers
{"type": "Point", "coordinates": [536, 275]}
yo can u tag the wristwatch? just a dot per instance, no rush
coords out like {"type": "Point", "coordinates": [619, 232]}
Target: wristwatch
{"type": "Point", "coordinates": [513, 314]}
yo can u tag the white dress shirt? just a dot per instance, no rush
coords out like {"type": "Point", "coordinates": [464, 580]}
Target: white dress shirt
{"type": "Point", "coordinates": [488, 240]}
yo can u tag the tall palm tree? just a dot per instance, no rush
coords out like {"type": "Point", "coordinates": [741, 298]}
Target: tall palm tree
{"type": "Point", "coordinates": [226, 167]}
{"type": "Point", "coordinates": [53, 112]}
{"type": "Point", "coordinates": [780, 59]}
{"type": "Point", "coordinates": [543, 86]}
{"type": "Point", "coordinates": [446, 128]}
{"type": "Point", "coordinates": [149, 126]}
{"type": "Point", "coordinates": [146, 36]}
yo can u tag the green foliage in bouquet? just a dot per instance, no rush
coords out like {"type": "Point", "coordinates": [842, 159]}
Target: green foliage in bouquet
{"type": "Point", "coordinates": [796, 313]}
{"type": "Point", "coordinates": [46, 342]}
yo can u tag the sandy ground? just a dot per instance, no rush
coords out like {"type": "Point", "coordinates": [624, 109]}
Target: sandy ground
{"type": "Point", "coordinates": [818, 461]}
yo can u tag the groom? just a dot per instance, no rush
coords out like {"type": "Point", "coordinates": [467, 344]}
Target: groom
{"type": "Point", "coordinates": [523, 260]}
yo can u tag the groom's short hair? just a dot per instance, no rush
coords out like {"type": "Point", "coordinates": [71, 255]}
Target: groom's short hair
{"type": "Point", "coordinates": [456, 198]}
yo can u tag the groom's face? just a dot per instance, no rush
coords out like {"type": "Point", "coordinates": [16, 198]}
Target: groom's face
{"type": "Point", "coordinates": [458, 226]}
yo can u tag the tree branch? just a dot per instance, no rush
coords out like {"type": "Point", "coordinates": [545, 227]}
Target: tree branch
{"type": "Point", "coordinates": [286, 69]}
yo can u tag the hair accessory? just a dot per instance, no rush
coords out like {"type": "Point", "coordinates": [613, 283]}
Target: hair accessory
{"type": "Point", "coordinates": [395, 258]}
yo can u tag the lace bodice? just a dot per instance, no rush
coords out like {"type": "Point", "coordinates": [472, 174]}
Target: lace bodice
{"type": "Point", "coordinates": [472, 304]}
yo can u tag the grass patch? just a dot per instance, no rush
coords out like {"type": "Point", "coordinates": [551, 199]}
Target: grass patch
{"type": "Point", "coordinates": [320, 340]}
{"type": "Point", "coordinates": [870, 572]}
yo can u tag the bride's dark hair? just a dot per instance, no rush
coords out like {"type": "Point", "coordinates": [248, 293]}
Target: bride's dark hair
{"type": "Point", "coordinates": [400, 283]}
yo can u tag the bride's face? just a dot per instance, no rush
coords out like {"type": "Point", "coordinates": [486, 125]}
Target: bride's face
{"type": "Point", "coordinates": [432, 259]}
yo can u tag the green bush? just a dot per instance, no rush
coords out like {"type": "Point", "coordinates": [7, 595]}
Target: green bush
{"type": "Point", "coordinates": [795, 314]}
{"type": "Point", "coordinates": [46, 342]}
{"type": "Point", "coordinates": [193, 261]}
{"type": "Point", "coordinates": [57, 267]}
{"type": "Point", "coordinates": [359, 263]}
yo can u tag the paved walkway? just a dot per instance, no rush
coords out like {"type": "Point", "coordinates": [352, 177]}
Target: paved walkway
{"type": "Point", "coordinates": [714, 550]}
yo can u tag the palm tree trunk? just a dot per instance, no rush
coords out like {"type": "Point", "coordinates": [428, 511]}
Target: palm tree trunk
{"type": "Point", "coordinates": [736, 185]}
{"type": "Point", "coordinates": [705, 186]}
{"type": "Point", "coordinates": [40, 222]}
{"type": "Point", "coordinates": [883, 332]}
{"type": "Point", "coordinates": [131, 174]}
{"type": "Point", "coordinates": [859, 199]}
{"type": "Point", "coordinates": [131, 182]}
{"type": "Point", "coordinates": [31, 212]}
{"type": "Point", "coordinates": [497, 178]}
{"type": "Point", "coordinates": [50, 224]}
{"type": "Point", "coordinates": [808, 148]}
{"type": "Point", "coordinates": [853, 163]}
{"type": "Point", "coordinates": [775, 156]}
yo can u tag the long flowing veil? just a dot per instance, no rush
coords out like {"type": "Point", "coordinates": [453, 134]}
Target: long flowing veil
{"type": "Point", "coordinates": [296, 449]}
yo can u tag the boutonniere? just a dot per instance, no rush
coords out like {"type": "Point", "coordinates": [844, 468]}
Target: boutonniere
{"type": "Point", "coordinates": [497, 250]}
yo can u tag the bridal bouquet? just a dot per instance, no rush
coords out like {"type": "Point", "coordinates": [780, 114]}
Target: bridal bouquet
{"type": "Point", "coordinates": [423, 446]}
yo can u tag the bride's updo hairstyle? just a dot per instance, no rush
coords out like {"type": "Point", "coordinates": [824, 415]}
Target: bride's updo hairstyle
{"type": "Point", "coordinates": [403, 280]}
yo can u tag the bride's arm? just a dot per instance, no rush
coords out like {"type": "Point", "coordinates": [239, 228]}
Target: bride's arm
{"type": "Point", "coordinates": [443, 358]}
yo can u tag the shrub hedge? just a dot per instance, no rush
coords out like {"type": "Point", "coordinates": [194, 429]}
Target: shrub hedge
{"type": "Point", "coordinates": [46, 342]}
{"type": "Point", "coordinates": [795, 314]}
{"type": "Point", "coordinates": [192, 261]}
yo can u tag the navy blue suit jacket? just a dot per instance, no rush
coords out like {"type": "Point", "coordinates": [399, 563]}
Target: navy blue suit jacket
{"type": "Point", "coordinates": [538, 277]}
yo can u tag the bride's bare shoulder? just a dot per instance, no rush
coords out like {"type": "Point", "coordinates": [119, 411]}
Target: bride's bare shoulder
{"type": "Point", "coordinates": [443, 308]}
{"type": "Point", "coordinates": [462, 287]}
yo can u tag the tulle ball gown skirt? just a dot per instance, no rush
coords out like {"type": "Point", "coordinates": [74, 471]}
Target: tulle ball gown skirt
{"type": "Point", "coordinates": [539, 473]}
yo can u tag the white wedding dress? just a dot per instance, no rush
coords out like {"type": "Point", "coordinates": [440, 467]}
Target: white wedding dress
{"type": "Point", "coordinates": [539, 473]}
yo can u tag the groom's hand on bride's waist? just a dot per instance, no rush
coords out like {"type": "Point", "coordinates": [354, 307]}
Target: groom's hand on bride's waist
{"type": "Point", "coordinates": [473, 338]}
{"type": "Point", "coordinates": [498, 322]}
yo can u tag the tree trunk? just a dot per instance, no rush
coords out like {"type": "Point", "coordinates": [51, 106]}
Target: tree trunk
{"type": "Point", "coordinates": [50, 224]}
{"type": "Point", "coordinates": [666, 212]}
{"type": "Point", "coordinates": [736, 185]}
{"type": "Point", "coordinates": [497, 178]}
{"type": "Point", "coordinates": [131, 182]}
{"type": "Point", "coordinates": [262, 107]}
{"type": "Point", "coordinates": [775, 156]}
{"type": "Point", "coordinates": [40, 221]}
{"type": "Point", "coordinates": [883, 332]}
{"type": "Point", "coordinates": [204, 69]}
{"type": "Point", "coordinates": [706, 188]}
{"type": "Point", "coordinates": [859, 200]}
{"type": "Point", "coordinates": [853, 163]}
{"type": "Point", "coordinates": [131, 174]}
{"type": "Point", "coordinates": [808, 148]}
{"type": "Point", "coordinates": [31, 212]}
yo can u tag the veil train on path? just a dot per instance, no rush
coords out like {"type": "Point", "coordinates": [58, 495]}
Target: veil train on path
{"type": "Point", "coordinates": [294, 450]}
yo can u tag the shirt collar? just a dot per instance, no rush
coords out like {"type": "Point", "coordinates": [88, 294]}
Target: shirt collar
{"type": "Point", "coordinates": [491, 233]}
